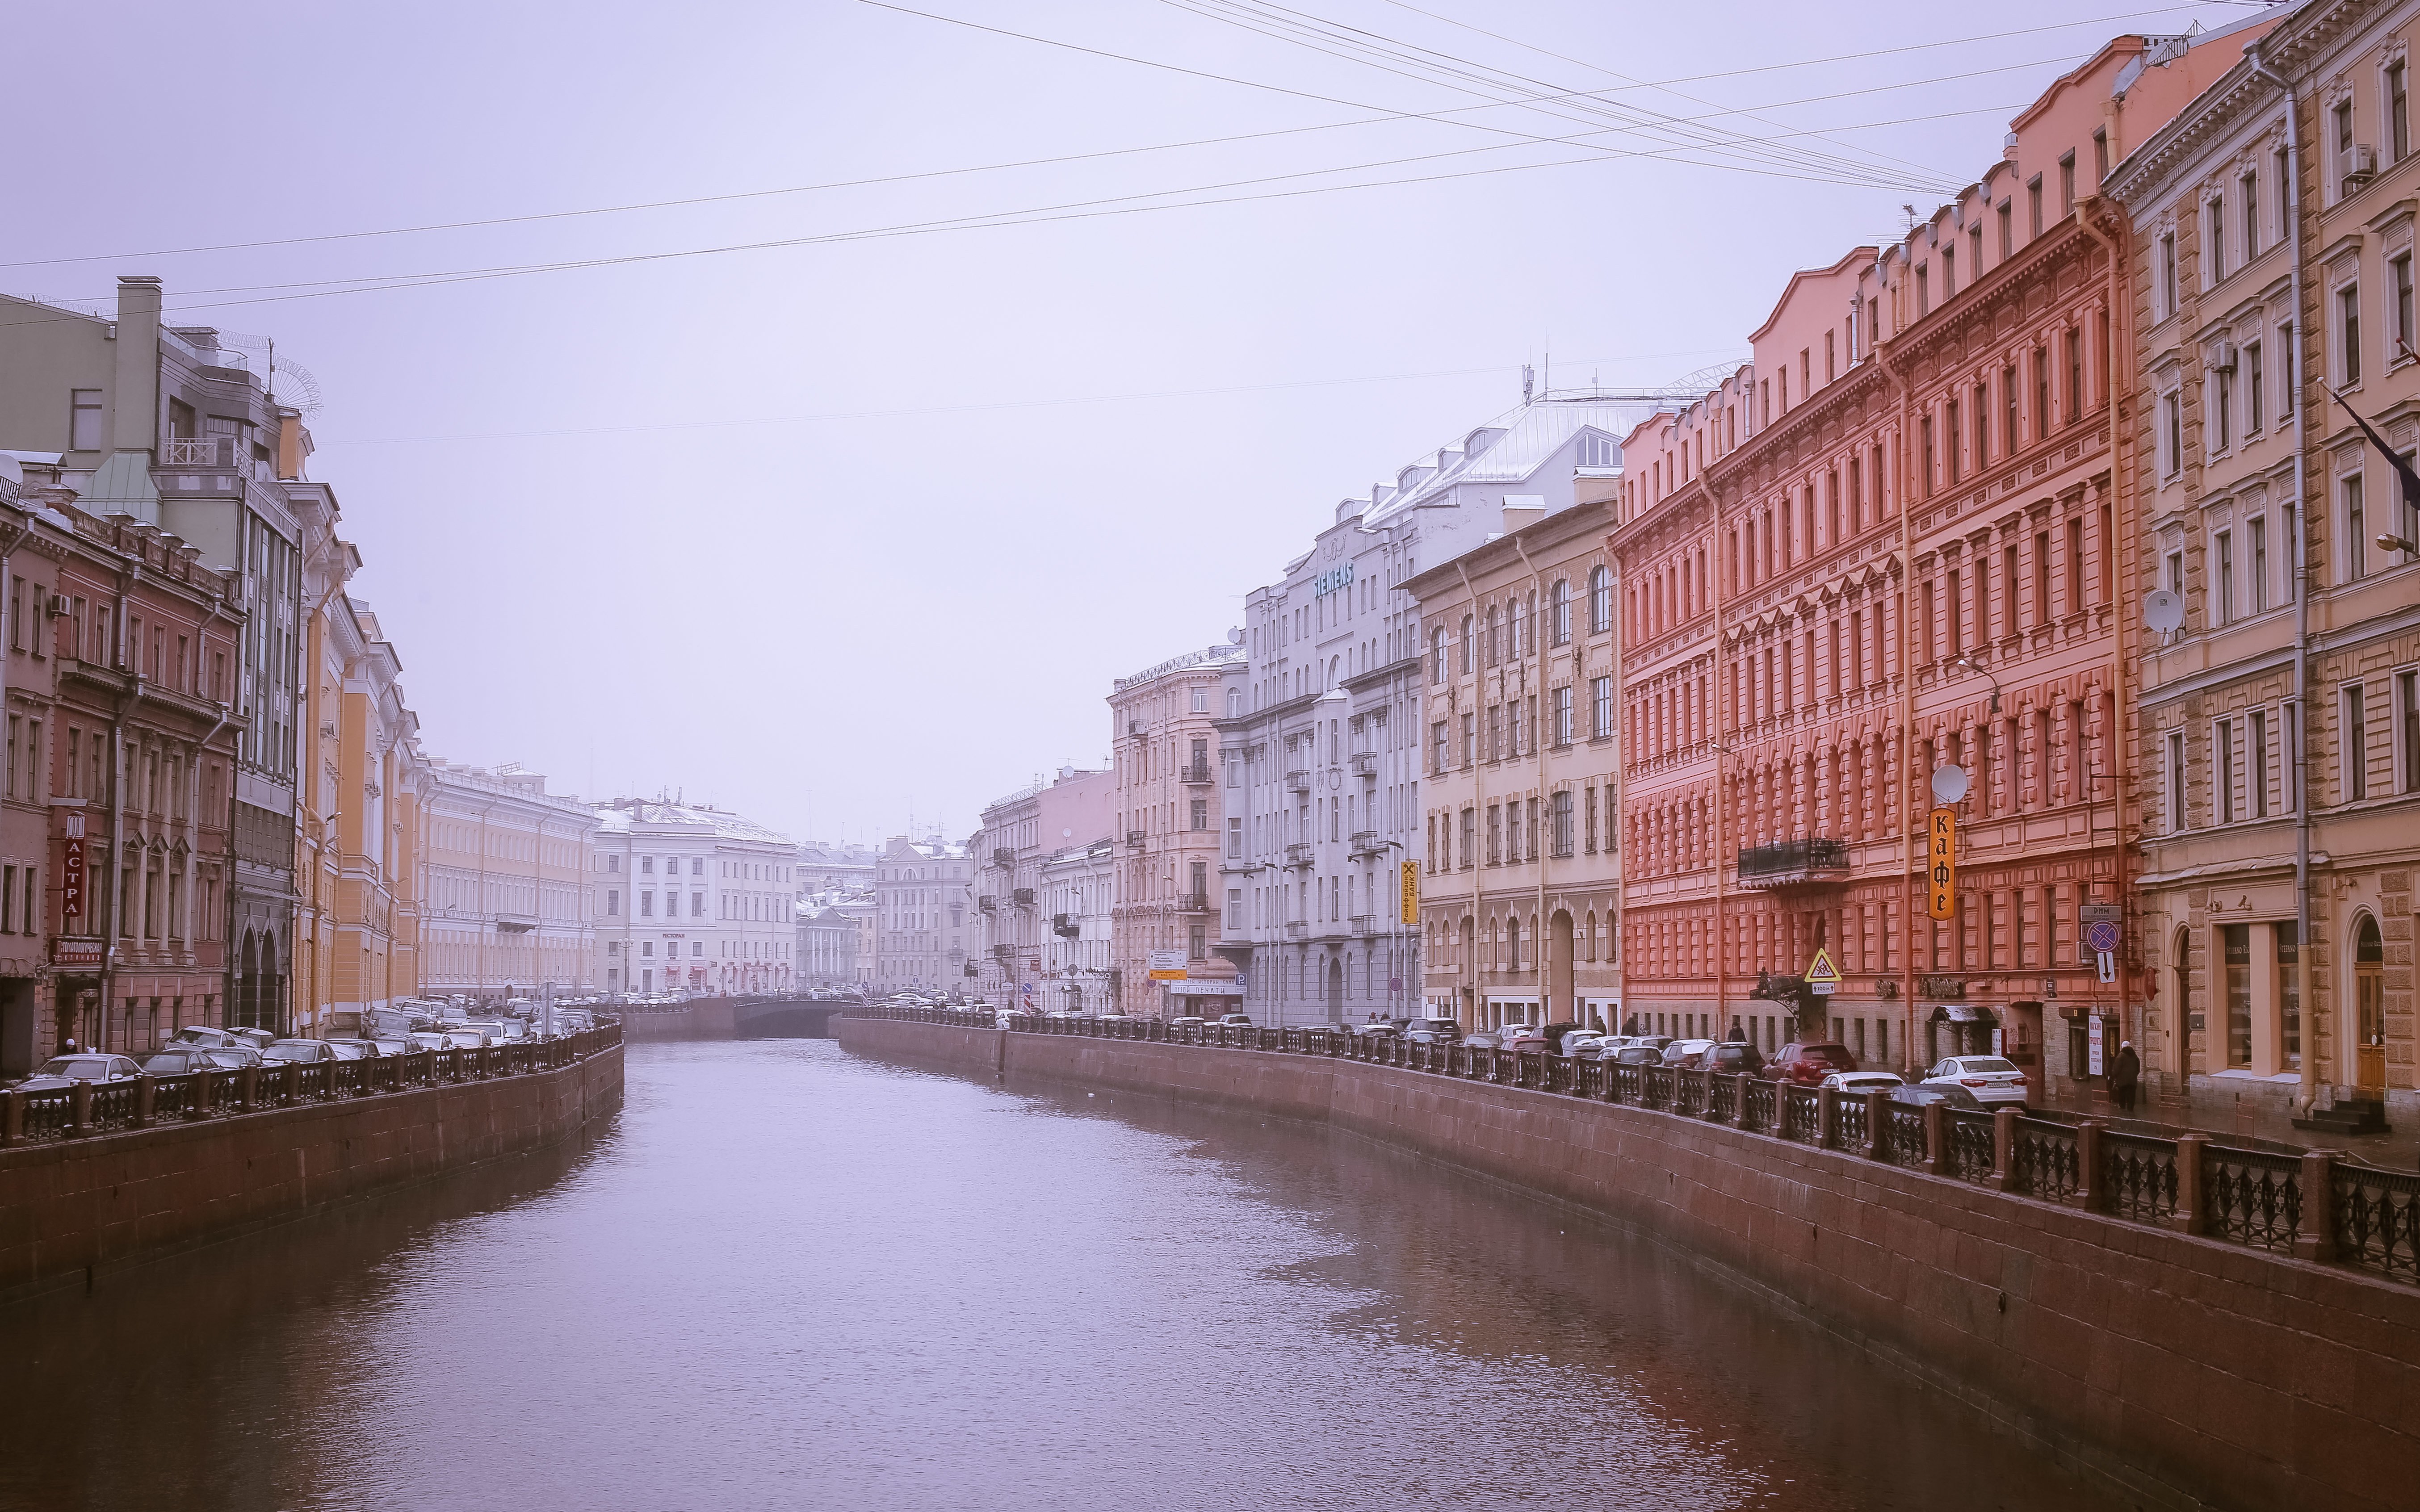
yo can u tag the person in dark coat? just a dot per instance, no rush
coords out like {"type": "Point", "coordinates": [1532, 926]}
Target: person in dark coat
{"type": "Point", "coordinates": [2123, 1075]}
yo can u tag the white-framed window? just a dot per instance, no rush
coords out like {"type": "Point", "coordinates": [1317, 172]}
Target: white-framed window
{"type": "Point", "coordinates": [2168, 274]}
{"type": "Point", "coordinates": [2256, 761]}
{"type": "Point", "coordinates": [1600, 701]}
{"type": "Point", "coordinates": [2352, 514]}
{"type": "Point", "coordinates": [2398, 283]}
{"type": "Point", "coordinates": [2349, 333]}
{"type": "Point", "coordinates": [2221, 578]}
{"type": "Point", "coordinates": [2256, 565]}
{"type": "Point", "coordinates": [2176, 782]}
{"type": "Point", "coordinates": [2219, 393]}
{"type": "Point", "coordinates": [2172, 435]}
{"type": "Point", "coordinates": [1600, 601]}
{"type": "Point", "coordinates": [1563, 716]}
{"type": "Point", "coordinates": [2256, 397]}
{"type": "Point", "coordinates": [2214, 222]}
{"type": "Point", "coordinates": [2222, 770]}
{"type": "Point", "coordinates": [2353, 744]}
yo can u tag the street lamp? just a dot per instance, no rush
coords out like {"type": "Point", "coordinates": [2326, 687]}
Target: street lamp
{"type": "Point", "coordinates": [1984, 672]}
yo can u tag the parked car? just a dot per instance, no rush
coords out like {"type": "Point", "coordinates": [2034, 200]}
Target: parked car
{"type": "Point", "coordinates": [1861, 1082]}
{"type": "Point", "coordinates": [394, 1044]}
{"type": "Point", "coordinates": [62, 1072]}
{"type": "Point", "coordinates": [353, 1049]}
{"type": "Point", "coordinates": [1649, 1041]}
{"type": "Point", "coordinates": [1638, 1054]}
{"type": "Point", "coordinates": [1527, 1041]}
{"type": "Point", "coordinates": [1428, 1036]}
{"type": "Point", "coordinates": [1483, 1040]}
{"type": "Point", "coordinates": [1188, 1021]}
{"type": "Point", "coordinates": [197, 1034]}
{"type": "Point", "coordinates": [301, 1052]}
{"type": "Point", "coordinates": [1993, 1080]}
{"type": "Point", "coordinates": [1234, 1021]}
{"type": "Point", "coordinates": [1807, 1063]}
{"type": "Point", "coordinates": [1949, 1093]}
{"type": "Point", "coordinates": [1732, 1058]}
{"type": "Point", "coordinates": [1684, 1054]}
{"type": "Point", "coordinates": [258, 1038]}
{"type": "Point", "coordinates": [175, 1061]}
{"type": "Point", "coordinates": [499, 1032]}
{"type": "Point", "coordinates": [233, 1057]}
{"type": "Point", "coordinates": [1578, 1039]}
{"type": "Point", "coordinates": [1374, 1028]}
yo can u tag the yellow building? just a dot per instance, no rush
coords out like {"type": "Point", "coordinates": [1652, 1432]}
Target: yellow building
{"type": "Point", "coordinates": [508, 897]}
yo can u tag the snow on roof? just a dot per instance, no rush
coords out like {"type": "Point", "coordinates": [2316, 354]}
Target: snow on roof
{"type": "Point", "coordinates": [621, 815]}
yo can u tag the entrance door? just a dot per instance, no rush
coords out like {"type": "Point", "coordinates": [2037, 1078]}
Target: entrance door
{"type": "Point", "coordinates": [1335, 991]}
{"type": "Point", "coordinates": [2369, 1010]}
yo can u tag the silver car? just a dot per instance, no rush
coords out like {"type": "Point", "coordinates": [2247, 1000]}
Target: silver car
{"type": "Point", "coordinates": [62, 1072]}
{"type": "Point", "coordinates": [1993, 1079]}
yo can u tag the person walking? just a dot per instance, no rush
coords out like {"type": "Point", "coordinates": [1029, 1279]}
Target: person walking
{"type": "Point", "coordinates": [2124, 1074]}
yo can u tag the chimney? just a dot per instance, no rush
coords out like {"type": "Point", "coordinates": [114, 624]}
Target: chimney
{"type": "Point", "coordinates": [1596, 485]}
{"type": "Point", "coordinates": [1522, 509]}
{"type": "Point", "coordinates": [293, 445]}
{"type": "Point", "coordinates": [122, 483]}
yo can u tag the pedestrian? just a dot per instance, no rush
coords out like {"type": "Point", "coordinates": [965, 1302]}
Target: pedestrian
{"type": "Point", "coordinates": [2123, 1074]}
{"type": "Point", "coordinates": [70, 1049]}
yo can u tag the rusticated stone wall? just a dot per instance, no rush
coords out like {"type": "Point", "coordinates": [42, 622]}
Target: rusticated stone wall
{"type": "Point", "coordinates": [71, 1209]}
{"type": "Point", "coordinates": [2190, 1372]}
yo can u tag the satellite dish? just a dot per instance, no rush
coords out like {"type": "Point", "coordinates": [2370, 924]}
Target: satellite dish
{"type": "Point", "coordinates": [1948, 784]}
{"type": "Point", "coordinates": [2164, 612]}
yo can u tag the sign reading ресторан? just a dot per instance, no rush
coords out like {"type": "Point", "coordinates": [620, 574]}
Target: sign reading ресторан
{"type": "Point", "coordinates": [76, 952]}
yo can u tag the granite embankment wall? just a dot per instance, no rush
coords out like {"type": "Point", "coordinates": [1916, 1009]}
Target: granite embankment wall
{"type": "Point", "coordinates": [700, 1018]}
{"type": "Point", "coordinates": [2190, 1372]}
{"type": "Point", "coordinates": [71, 1209]}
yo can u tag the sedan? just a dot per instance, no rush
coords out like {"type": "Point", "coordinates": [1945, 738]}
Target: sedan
{"type": "Point", "coordinates": [1431, 1035]}
{"type": "Point", "coordinates": [196, 1034]}
{"type": "Point", "coordinates": [1188, 1021]}
{"type": "Point", "coordinates": [1638, 1054]}
{"type": "Point", "coordinates": [1858, 1083]}
{"type": "Point", "coordinates": [1578, 1040]}
{"type": "Point", "coordinates": [301, 1052]}
{"type": "Point", "coordinates": [353, 1049]}
{"type": "Point", "coordinates": [1948, 1094]}
{"type": "Point", "coordinates": [1235, 1021]}
{"type": "Point", "coordinates": [1732, 1058]}
{"type": "Point", "coordinates": [234, 1056]}
{"type": "Point", "coordinates": [1686, 1053]}
{"type": "Point", "coordinates": [1992, 1079]}
{"type": "Point", "coordinates": [1483, 1040]}
{"type": "Point", "coordinates": [62, 1072]}
{"type": "Point", "coordinates": [258, 1038]}
{"type": "Point", "coordinates": [178, 1062]}
{"type": "Point", "coordinates": [396, 1044]}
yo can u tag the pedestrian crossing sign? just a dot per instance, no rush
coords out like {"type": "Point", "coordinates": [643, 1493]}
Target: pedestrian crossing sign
{"type": "Point", "coordinates": [1822, 974]}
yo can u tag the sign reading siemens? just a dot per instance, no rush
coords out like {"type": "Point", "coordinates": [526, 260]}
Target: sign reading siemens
{"type": "Point", "coordinates": [1335, 580]}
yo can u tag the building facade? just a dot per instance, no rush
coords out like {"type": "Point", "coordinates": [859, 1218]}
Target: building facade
{"type": "Point", "coordinates": [1018, 835]}
{"type": "Point", "coordinates": [1170, 809]}
{"type": "Point", "coordinates": [698, 901]}
{"type": "Point", "coordinates": [1322, 790]}
{"type": "Point", "coordinates": [1521, 895]}
{"type": "Point", "coordinates": [923, 928]}
{"type": "Point", "coordinates": [1079, 891]}
{"type": "Point", "coordinates": [2279, 719]}
{"type": "Point", "coordinates": [507, 895]}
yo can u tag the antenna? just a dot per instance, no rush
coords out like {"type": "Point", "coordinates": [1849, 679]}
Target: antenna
{"type": "Point", "coordinates": [1528, 381]}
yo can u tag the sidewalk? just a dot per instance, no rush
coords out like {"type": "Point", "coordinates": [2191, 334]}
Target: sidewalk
{"type": "Point", "coordinates": [2226, 1117]}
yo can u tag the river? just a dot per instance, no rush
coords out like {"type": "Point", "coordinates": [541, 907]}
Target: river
{"type": "Point", "coordinates": [786, 1276]}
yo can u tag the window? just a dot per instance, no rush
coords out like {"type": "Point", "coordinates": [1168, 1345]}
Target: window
{"type": "Point", "coordinates": [2343, 118]}
{"type": "Point", "coordinates": [1560, 822]}
{"type": "Point", "coordinates": [1923, 289]}
{"type": "Point", "coordinates": [1948, 269]}
{"type": "Point", "coordinates": [2257, 542]}
{"type": "Point", "coordinates": [1559, 613]}
{"type": "Point", "coordinates": [1437, 747]}
{"type": "Point", "coordinates": [696, 904]}
{"type": "Point", "coordinates": [2172, 434]}
{"type": "Point", "coordinates": [2401, 271]}
{"type": "Point", "coordinates": [1600, 601]}
{"type": "Point", "coordinates": [83, 419]}
{"type": "Point", "coordinates": [1201, 700]}
{"type": "Point", "coordinates": [2355, 777]}
{"type": "Point", "coordinates": [2235, 943]}
{"type": "Point", "coordinates": [2222, 738]}
{"type": "Point", "coordinates": [2255, 755]}
{"type": "Point", "coordinates": [2033, 206]}
{"type": "Point", "coordinates": [2074, 376]}
{"type": "Point", "coordinates": [2216, 214]}
{"type": "Point", "coordinates": [2100, 156]}
{"type": "Point", "coordinates": [2407, 721]}
{"type": "Point", "coordinates": [2349, 333]}
{"type": "Point", "coordinates": [2008, 443]}
{"type": "Point", "coordinates": [2008, 231]}
{"type": "Point", "coordinates": [2288, 373]}
{"type": "Point", "coordinates": [2065, 184]}
{"type": "Point", "coordinates": [1468, 624]}
{"type": "Point", "coordinates": [2399, 113]}
{"type": "Point", "coordinates": [2175, 795]}
{"type": "Point", "coordinates": [2253, 383]}
{"type": "Point", "coordinates": [1436, 654]}
{"type": "Point", "coordinates": [2356, 551]}
{"type": "Point", "coordinates": [1470, 738]}
{"type": "Point", "coordinates": [1562, 716]}
{"type": "Point", "coordinates": [2249, 199]}
{"type": "Point", "coordinates": [1601, 697]}
{"type": "Point", "coordinates": [646, 905]}
{"type": "Point", "coordinates": [1924, 430]}
{"type": "Point", "coordinates": [2221, 409]}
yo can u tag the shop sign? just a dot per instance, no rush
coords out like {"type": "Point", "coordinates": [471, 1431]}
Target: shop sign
{"type": "Point", "coordinates": [1167, 965]}
{"type": "Point", "coordinates": [72, 873]}
{"type": "Point", "coordinates": [1411, 913]}
{"type": "Point", "coordinates": [1941, 869]}
{"type": "Point", "coordinates": [1950, 988]}
{"type": "Point", "coordinates": [1334, 580]}
{"type": "Point", "coordinates": [79, 953]}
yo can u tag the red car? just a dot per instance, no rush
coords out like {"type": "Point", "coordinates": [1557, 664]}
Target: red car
{"type": "Point", "coordinates": [1807, 1064]}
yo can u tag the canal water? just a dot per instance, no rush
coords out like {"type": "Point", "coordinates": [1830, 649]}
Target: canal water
{"type": "Point", "coordinates": [784, 1276]}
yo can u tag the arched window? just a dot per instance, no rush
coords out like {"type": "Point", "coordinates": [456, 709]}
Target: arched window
{"type": "Point", "coordinates": [1600, 601]}
{"type": "Point", "coordinates": [1468, 624]}
{"type": "Point", "coordinates": [2369, 1008]}
{"type": "Point", "coordinates": [1436, 654]}
{"type": "Point", "coordinates": [1495, 637]}
{"type": "Point", "coordinates": [1558, 602]}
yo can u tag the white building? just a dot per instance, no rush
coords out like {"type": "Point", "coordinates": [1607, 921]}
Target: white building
{"type": "Point", "coordinates": [694, 900]}
{"type": "Point", "coordinates": [1321, 748]}
{"type": "Point", "coordinates": [924, 895]}
{"type": "Point", "coordinates": [1079, 894]}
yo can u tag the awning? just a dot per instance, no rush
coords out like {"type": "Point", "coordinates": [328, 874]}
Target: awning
{"type": "Point", "coordinates": [1961, 1014]}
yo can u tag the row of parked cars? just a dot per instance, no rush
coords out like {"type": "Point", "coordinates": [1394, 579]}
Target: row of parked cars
{"type": "Point", "coordinates": [1972, 1082]}
{"type": "Point", "coordinates": [199, 1047]}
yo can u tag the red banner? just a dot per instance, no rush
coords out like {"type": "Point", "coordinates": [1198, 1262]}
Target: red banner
{"type": "Point", "coordinates": [71, 881]}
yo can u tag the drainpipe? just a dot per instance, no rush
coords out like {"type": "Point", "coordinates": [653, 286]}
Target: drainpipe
{"type": "Point", "coordinates": [1912, 862]}
{"type": "Point", "coordinates": [2307, 1086]}
{"type": "Point", "coordinates": [127, 576]}
{"type": "Point", "coordinates": [1538, 752]}
{"type": "Point", "coordinates": [1478, 794]}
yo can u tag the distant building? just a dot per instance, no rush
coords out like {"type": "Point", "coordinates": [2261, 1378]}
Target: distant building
{"type": "Point", "coordinates": [828, 868]}
{"type": "Point", "coordinates": [1021, 834]}
{"type": "Point", "coordinates": [827, 938]}
{"type": "Point", "coordinates": [1079, 888]}
{"type": "Point", "coordinates": [1171, 810]}
{"type": "Point", "coordinates": [697, 900]}
{"type": "Point", "coordinates": [507, 889]}
{"type": "Point", "coordinates": [924, 895]}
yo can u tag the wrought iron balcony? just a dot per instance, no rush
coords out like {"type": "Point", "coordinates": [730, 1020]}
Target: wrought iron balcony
{"type": "Point", "coordinates": [988, 903]}
{"type": "Point", "coordinates": [1299, 779]}
{"type": "Point", "coordinates": [1365, 925]}
{"type": "Point", "coordinates": [1196, 774]}
{"type": "Point", "coordinates": [1794, 863]}
{"type": "Point", "coordinates": [1299, 854]}
{"type": "Point", "coordinates": [1005, 860]}
{"type": "Point", "coordinates": [1024, 897]}
{"type": "Point", "coordinates": [1365, 763]}
{"type": "Point", "coordinates": [1192, 903]}
{"type": "Point", "coordinates": [1065, 926]}
{"type": "Point", "coordinates": [1366, 842]}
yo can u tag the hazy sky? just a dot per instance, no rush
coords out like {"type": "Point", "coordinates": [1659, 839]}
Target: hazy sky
{"type": "Point", "coordinates": [824, 532]}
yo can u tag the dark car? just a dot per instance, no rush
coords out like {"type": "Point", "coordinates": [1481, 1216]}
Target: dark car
{"type": "Point", "coordinates": [179, 1061]}
{"type": "Point", "coordinates": [1956, 1096]}
{"type": "Point", "coordinates": [1732, 1058]}
{"type": "Point", "coordinates": [1483, 1040]}
{"type": "Point", "coordinates": [62, 1072]}
{"type": "Point", "coordinates": [301, 1052]}
{"type": "Point", "coordinates": [1807, 1063]}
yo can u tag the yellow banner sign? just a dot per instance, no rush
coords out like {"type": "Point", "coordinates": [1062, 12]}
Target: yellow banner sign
{"type": "Point", "coordinates": [1411, 913]}
{"type": "Point", "coordinates": [1940, 865]}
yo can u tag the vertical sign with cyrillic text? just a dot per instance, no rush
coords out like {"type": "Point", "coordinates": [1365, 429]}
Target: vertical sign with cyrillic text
{"type": "Point", "coordinates": [1940, 865]}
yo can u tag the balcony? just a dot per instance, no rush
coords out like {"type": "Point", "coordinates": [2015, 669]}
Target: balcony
{"type": "Point", "coordinates": [1003, 953]}
{"type": "Point", "coordinates": [1365, 764]}
{"type": "Point", "coordinates": [1794, 863]}
{"type": "Point", "coordinates": [1365, 926]}
{"type": "Point", "coordinates": [1005, 860]}
{"type": "Point", "coordinates": [1135, 838]}
{"type": "Point", "coordinates": [1299, 779]}
{"type": "Point", "coordinates": [1299, 854]}
{"type": "Point", "coordinates": [1193, 903]}
{"type": "Point", "coordinates": [1065, 926]}
{"type": "Point", "coordinates": [1024, 897]}
{"type": "Point", "coordinates": [988, 903]}
{"type": "Point", "coordinates": [1297, 930]}
{"type": "Point", "coordinates": [1138, 728]}
{"type": "Point", "coordinates": [201, 452]}
{"type": "Point", "coordinates": [1366, 842]}
{"type": "Point", "coordinates": [1197, 773]}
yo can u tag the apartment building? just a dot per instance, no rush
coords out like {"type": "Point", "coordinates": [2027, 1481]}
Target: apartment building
{"type": "Point", "coordinates": [1167, 767]}
{"type": "Point", "coordinates": [2280, 719]}
{"type": "Point", "coordinates": [1079, 887]}
{"type": "Point", "coordinates": [1016, 928]}
{"type": "Point", "coordinates": [924, 897]}
{"type": "Point", "coordinates": [508, 898]}
{"type": "Point", "coordinates": [698, 900]}
{"type": "Point", "coordinates": [1521, 896]}
{"type": "Point", "coordinates": [1322, 788]}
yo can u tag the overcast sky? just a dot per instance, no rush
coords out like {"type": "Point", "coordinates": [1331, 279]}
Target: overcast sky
{"type": "Point", "coordinates": [831, 532]}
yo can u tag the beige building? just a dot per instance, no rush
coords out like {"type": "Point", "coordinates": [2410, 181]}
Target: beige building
{"type": "Point", "coordinates": [1521, 895]}
{"type": "Point", "coordinates": [1169, 815]}
{"type": "Point", "coordinates": [2280, 721]}
{"type": "Point", "coordinates": [509, 889]}
{"type": "Point", "coordinates": [1015, 926]}
{"type": "Point", "coordinates": [923, 926]}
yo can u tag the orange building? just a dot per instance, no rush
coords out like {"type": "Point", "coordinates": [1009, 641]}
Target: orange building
{"type": "Point", "coordinates": [1892, 543]}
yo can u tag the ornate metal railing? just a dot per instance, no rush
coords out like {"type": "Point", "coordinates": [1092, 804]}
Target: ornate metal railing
{"type": "Point", "coordinates": [2367, 1219]}
{"type": "Point", "coordinates": [2254, 1197]}
{"type": "Point", "coordinates": [142, 1101]}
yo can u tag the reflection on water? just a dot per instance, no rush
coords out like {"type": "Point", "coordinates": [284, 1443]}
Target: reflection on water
{"type": "Point", "coordinates": [786, 1278]}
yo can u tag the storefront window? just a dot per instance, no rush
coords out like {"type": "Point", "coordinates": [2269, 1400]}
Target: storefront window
{"type": "Point", "coordinates": [2236, 941]}
{"type": "Point", "coordinates": [2289, 991]}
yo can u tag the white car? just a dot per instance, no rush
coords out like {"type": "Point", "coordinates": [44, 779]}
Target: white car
{"type": "Point", "coordinates": [1990, 1078]}
{"type": "Point", "coordinates": [1858, 1083]}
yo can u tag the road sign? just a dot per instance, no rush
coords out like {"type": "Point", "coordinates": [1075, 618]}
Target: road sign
{"type": "Point", "coordinates": [1941, 871]}
{"type": "Point", "coordinates": [1822, 977]}
{"type": "Point", "coordinates": [2108, 964]}
{"type": "Point", "coordinates": [1411, 911]}
{"type": "Point", "coordinates": [2101, 936]}
{"type": "Point", "coordinates": [1167, 965]}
